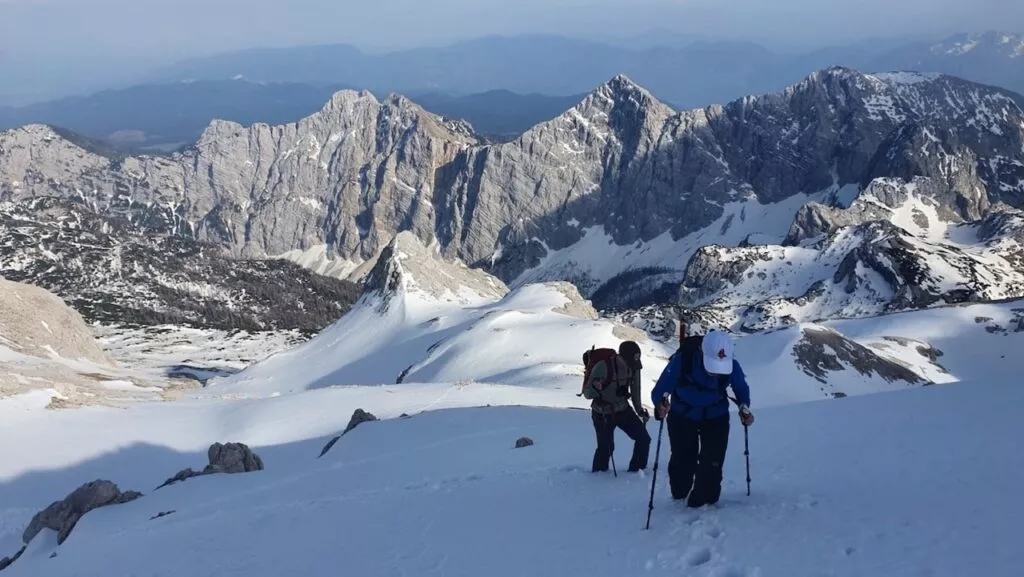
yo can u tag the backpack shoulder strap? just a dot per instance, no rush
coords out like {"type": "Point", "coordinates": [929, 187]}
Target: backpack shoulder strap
{"type": "Point", "coordinates": [687, 354]}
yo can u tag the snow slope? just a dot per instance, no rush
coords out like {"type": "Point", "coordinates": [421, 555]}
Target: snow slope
{"type": "Point", "coordinates": [533, 338]}
{"type": "Point", "coordinates": [423, 319]}
{"type": "Point", "coordinates": [901, 484]}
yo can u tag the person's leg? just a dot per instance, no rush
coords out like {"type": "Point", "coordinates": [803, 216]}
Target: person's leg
{"type": "Point", "coordinates": [631, 424]}
{"type": "Point", "coordinates": [682, 462]}
{"type": "Point", "coordinates": [714, 442]}
{"type": "Point", "coordinates": [604, 428]}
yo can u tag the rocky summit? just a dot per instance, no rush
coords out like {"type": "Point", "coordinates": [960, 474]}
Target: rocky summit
{"type": "Point", "coordinates": [618, 194]}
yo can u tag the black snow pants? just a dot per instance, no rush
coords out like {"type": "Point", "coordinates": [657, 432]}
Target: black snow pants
{"type": "Point", "coordinates": [630, 423]}
{"type": "Point", "coordinates": [697, 454]}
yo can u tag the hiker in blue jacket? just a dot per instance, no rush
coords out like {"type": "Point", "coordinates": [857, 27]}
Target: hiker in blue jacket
{"type": "Point", "coordinates": [692, 392]}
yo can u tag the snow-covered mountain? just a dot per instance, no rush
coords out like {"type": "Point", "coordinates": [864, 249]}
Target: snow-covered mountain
{"type": "Point", "coordinates": [890, 250]}
{"type": "Point", "coordinates": [424, 319]}
{"type": "Point", "coordinates": [992, 57]}
{"type": "Point", "coordinates": [616, 195]}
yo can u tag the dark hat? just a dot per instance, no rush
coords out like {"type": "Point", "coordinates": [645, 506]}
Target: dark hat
{"type": "Point", "coordinates": [630, 351]}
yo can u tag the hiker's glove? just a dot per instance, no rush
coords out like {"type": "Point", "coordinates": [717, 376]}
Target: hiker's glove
{"type": "Point", "coordinates": [645, 415]}
{"type": "Point", "coordinates": [746, 417]}
{"type": "Point", "coordinates": [661, 410]}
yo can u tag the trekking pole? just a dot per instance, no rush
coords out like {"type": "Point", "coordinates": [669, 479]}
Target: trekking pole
{"type": "Point", "coordinates": [614, 472]}
{"type": "Point", "coordinates": [746, 447]}
{"type": "Point", "coordinates": [654, 479]}
{"type": "Point", "coordinates": [746, 453]}
{"type": "Point", "coordinates": [657, 456]}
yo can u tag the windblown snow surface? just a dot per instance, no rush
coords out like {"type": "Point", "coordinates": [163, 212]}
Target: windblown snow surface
{"type": "Point", "coordinates": [911, 481]}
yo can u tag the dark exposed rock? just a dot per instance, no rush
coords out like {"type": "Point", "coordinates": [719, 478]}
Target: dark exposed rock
{"type": "Point", "coordinates": [523, 442]}
{"type": "Point", "coordinates": [823, 350]}
{"type": "Point", "coordinates": [359, 417]}
{"type": "Point", "coordinates": [180, 476]}
{"type": "Point", "coordinates": [6, 561]}
{"type": "Point", "coordinates": [230, 458]}
{"type": "Point", "coordinates": [62, 516]}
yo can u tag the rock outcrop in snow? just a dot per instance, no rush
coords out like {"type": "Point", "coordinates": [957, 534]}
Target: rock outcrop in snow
{"type": "Point", "coordinates": [823, 350]}
{"type": "Point", "coordinates": [62, 516]}
{"type": "Point", "coordinates": [407, 267]}
{"type": "Point", "coordinates": [229, 458]}
{"type": "Point", "coordinates": [358, 417]}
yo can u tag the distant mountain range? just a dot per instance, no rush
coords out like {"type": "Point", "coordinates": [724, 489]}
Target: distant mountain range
{"type": "Point", "coordinates": [500, 85]}
{"type": "Point", "coordinates": [169, 116]}
{"type": "Point", "coordinates": [689, 76]}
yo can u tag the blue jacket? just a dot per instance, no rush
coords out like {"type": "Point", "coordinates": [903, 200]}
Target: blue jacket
{"type": "Point", "coordinates": [699, 403]}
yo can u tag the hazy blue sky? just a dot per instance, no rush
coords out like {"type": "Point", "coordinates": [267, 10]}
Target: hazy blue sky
{"type": "Point", "coordinates": [82, 37]}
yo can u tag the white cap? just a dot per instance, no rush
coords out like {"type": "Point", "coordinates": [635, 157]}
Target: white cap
{"type": "Point", "coordinates": [717, 350]}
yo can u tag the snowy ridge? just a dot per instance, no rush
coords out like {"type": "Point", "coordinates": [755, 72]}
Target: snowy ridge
{"type": "Point", "coordinates": [532, 337]}
{"type": "Point", "coordinates": [422, 319]}
{"type": "Point", "coordinates": [892, 249]}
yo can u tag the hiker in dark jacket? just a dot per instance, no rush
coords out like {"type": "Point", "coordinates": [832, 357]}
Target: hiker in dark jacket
{"type": "Point", "coordinates": [611, 395]}
{"type": "Point", "coordinates": [695, 380]}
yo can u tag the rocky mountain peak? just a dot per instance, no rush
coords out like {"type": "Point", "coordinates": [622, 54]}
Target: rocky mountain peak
{"type": "Point", "coordinates": [625, 97]}
{"type": "Point", "coordinates": [407, 266]}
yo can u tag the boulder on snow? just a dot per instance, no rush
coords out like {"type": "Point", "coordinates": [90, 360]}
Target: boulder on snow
{"type": "Point", "coordinates": [62, 516]}
{"type": "Point", "coordinates": [359, 417]}
{"type": "Point", "coordinates": [232, 458]}
{"type": "Point", "coordinates": [224, 458]}
{"type": "Point", "coordinates": [523, 442]}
